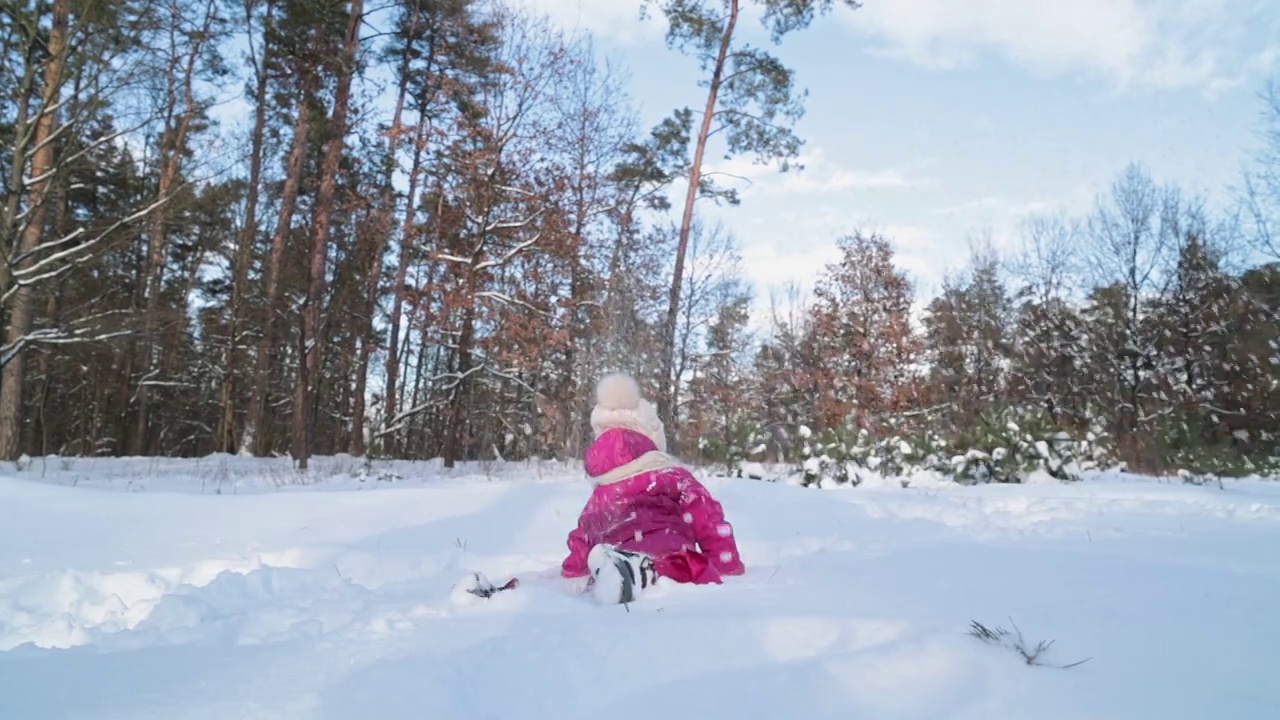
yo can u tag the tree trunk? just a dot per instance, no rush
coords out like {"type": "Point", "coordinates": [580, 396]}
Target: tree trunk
{"type": "Point", "coordinates": [570, 439]}
{"type": "Point", "coordinates": [453, 433]}
{"type": "Point", "coordinates": [22, 308]}
{"type": "Point", "coordinates": [341, 439]}
{"type": "Point", "coordinates": [244, 250]}
{"type": "Point", "coordinates": [304, 396]}
{"type": "Point", "coordinates": [173, 142]}
{"type": "Point", "coordinates": [397, 291]}
{"type": "Point", "coordinates": [300, 379]}
{"type": "Point", "coordinates": [381, 237]}
{"type": "Point", "coordinates": [44, 369]}
{"type": "Point", "coordinates": [356, 444]}
{"type": "Point", "coordinates": [255, 433]}
{"type": "Point", "coordinates": [666, 396]}
{"type": "Point", "coordinates": [420, 370]}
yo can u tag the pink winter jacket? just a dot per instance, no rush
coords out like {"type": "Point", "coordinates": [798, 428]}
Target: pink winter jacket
{"type": "Point", "coordinates": [645, 502]}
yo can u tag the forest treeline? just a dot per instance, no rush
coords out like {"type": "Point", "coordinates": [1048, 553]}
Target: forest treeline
{"type": "Point", "coordinates": [440, 221]}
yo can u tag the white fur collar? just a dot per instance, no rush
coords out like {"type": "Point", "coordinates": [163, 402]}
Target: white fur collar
{"type": "Point", "coordinates": [648, 462]}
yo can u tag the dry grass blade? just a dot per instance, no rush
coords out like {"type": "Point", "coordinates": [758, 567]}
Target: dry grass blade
{"type": "Point", "coordinates": [1015, 641]}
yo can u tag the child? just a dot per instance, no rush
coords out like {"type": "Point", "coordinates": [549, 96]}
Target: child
{"type": "Point", "coordinates": [647, 517]}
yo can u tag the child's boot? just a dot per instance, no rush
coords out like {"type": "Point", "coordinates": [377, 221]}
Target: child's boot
{"type": "Point", "coordinates": [619, 576]}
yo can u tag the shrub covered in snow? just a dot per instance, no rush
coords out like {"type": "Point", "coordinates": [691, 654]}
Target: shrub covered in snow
{"type": "Point", "coordinates": [1006, 449]}
{"type": "Point", "coordinates": [1183, 449]}
{"type": "Point", "coordinates": [848, 455]}
{"type": "Point", "coordinates": [744, 444]}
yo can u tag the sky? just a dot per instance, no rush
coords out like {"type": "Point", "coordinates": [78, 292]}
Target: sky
{"type": "Point", "coordinates": [936, 122]}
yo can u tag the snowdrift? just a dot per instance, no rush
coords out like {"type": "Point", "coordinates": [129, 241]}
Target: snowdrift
{"type": "Point", "coordinates": [227, 588]}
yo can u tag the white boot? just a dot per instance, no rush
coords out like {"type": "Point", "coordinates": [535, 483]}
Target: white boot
{"type": "Point", "coordinates": [479, 584]}
{"type": "Point", "coordinates": [619, 576]}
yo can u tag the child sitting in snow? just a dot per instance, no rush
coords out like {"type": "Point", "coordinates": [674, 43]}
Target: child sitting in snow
{"type": "Point", "coordinates": [647, 517]}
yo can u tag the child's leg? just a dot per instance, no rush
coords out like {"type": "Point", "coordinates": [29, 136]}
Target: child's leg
{"type": "Point", "coordinates": [687, 566]}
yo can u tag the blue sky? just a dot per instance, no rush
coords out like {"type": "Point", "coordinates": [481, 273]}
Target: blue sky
{"type": "Point", "coordinates": [935, 121]}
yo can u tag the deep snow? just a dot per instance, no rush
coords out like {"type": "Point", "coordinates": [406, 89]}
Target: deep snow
{"type": "Point", "coordinates": [221, 588]}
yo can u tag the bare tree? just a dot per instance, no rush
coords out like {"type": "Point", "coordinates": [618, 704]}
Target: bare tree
{"type": "Point", "coordinates": [1262, 182]}
{"type": "Point", "coordinates": [492, 210]}
{"type": "Point", "coordinates": [1134, 236]}
{"type": "Point", "coordinates": [712, 281]}
{"type": "Point", "coordinates": [593, 127]}
{"type": "Point", "coordinates": [1047, 263]}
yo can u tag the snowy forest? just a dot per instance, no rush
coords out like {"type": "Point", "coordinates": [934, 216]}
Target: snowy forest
{"type": "Point", "coordinates": [433, 224]}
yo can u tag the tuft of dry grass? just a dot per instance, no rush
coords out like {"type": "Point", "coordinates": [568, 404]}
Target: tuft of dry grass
{"type": "Point", "coordinates": [1031, 654]}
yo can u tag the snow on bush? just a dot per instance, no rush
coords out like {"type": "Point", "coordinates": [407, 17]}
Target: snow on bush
{"type": "Point", "coordinates": [745, 443]}
{"type": "Point", "coordinates": [1005, 449]}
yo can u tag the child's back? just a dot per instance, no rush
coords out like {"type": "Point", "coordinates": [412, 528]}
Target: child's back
{"type": "Point", "coordinates": [644, 502]}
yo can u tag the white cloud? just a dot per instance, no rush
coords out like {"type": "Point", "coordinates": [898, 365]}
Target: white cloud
{"type": "Point", "coordinates": [615, 20]}
{"type": "Point", "coordinates": [1206, 44]}
{"type": "Point", "coordinates": [997, 206]}
{"type": "Point", "coordinates": [926, 258]}
{"type": "Point", "coordinates": [820, 174]}
{"type": "Point", "coordinates": [918, 251]}
{"type": "Point", "coordinates": [776, 260]}
{"type": "Point", "coordinates": [776, 265]}
{"type": "Point", "coordinates": [831, 178]}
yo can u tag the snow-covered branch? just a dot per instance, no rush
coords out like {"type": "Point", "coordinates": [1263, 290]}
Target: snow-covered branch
{"type": "Point", "coordinates": [508, 300]}
{"type": "Point", "coordinates": [40, 271]}
{"type": "Point", "coordinates": [54, 336]}
{"type": "Point", "coordinates": [397, 423]}
{"type": "Point", "coordinates": [510, 255]}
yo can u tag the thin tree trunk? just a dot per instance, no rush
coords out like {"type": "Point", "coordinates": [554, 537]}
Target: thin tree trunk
{"type": "Point", "coordinates": [44, 369]}
{"type": "Point", "coordinates": [453, 432]}
{"type": "Point", "coordinates": [342, 429]}
{"type": "Point", "coordinates": [172, 149]}
{"type": "Point", "coordinates": [300, 413]}
{"type": "Point", "coordinates": [244, 247]}
{"type": "Point", "coordinates": [382, 235]}
{"type": "Point", "coordinates": [569, 439]}
{"type": "Point", "coordinates": [22, 308]}
{"type": "Point", "coordinates": [419, 364]}
{"type": "Point", "coordinates": [255, 431]}
{"type": "Point", "coordinates": [405, 352]}
{"type": "Point", "coordinates": [356, 442]}
{"type": "Point", "coordinates": [305, 393]}
{"type": "Point", "coordinates": [402, 273]}
{"type": "Point", "coordinates": [668, 382]}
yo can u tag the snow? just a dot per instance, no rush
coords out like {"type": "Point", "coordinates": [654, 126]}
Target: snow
{"type": "Point", "coordinates": [229, 587]}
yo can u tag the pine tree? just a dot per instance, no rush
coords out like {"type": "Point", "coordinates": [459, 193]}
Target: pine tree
{"type": "Point", "coordinates": [861, 336]}
{"type": "Point", "coordinates": [751, 98]}
{"type": "Point", "coordinates": [1049, 365]}
{"type": "Point", "coordinates": [967, 335]}
{"type": "Point", "coordinates": [71, 61]}
{"type": "Point", "coordinates": [187, 56]}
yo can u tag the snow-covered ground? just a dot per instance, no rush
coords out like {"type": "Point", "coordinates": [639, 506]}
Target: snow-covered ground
{"type": "Point", "coordinates": [221, 588]}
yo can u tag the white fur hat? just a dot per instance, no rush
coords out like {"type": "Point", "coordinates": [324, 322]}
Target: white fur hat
{"type": "Point", "coordinates": [619, 405]}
